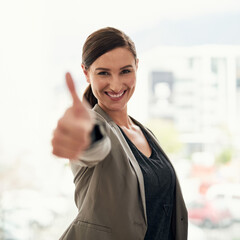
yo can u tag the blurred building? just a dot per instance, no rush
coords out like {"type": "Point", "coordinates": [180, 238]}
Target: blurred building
{"type": "Point", "coordinates": [198, 88]}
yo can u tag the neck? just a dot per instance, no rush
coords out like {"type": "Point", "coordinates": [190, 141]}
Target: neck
{"type": "Point", "coordinates": [120, 117]}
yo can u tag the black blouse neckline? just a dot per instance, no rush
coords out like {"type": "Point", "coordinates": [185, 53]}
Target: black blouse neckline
{"type": "Point", "coordinates": [131, 143]}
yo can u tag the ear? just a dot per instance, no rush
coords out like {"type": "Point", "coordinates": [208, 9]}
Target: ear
{"type": "Point", "coordinates": [86, 73]}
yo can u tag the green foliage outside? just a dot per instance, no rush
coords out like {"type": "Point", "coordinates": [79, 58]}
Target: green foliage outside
{"type": "Point", "coordinates": [167, 135]}
{"type": "Point", "coordinates": [225, 156]}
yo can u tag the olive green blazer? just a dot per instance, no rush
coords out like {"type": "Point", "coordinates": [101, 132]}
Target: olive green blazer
{"type": "Point", "coordinates": [109, 191]}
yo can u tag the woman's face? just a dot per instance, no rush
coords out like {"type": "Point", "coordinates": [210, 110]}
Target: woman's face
{"type": "Point", "coordinates": [113, 78]}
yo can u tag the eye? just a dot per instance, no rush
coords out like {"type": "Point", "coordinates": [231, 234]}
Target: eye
{"type": "Point", "coordinates": [125, 71]}
{"type": "Point", "coordinates": [103, 73]}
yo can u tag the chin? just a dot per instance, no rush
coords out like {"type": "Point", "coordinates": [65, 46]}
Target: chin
{"type": "Point", "coordinates": [115, 107]}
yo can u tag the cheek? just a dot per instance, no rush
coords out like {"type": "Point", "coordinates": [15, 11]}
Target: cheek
{"type": "Point", "coordinates": [132, 81]}
{"type": "Point", "coordinates": [97, 84]}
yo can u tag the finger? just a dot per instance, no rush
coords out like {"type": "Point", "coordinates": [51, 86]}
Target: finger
{"type": "Point", "coordinates": [66, 149]}
{"type": "Point", "coordinates": [72, 89]}
{"type": "Point", "coordinates": [78, 130]}
{"type": "Point", "coordinates": [61, 139]}
{"type": "Point", "coordinates": [65, 153]}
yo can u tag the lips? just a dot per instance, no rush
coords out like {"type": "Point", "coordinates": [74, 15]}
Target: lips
{"type": "Point", "coordinates": [116, 96]}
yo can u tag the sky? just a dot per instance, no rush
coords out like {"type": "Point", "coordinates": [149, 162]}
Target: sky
{"type": "Point", "coordinates": [40, 40]}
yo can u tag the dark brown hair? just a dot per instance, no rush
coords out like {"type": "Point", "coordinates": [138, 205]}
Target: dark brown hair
{"type": "Point", "coordinates": [98, 43]}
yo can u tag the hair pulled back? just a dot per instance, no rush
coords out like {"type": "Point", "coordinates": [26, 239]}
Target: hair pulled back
{"type": "Point", "coordinates": [97, 44]}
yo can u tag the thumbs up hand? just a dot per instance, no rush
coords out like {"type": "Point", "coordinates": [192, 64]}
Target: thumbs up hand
{"type": "Point", "coordinates": [72, 134]}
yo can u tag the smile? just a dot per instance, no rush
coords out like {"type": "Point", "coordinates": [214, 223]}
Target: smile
{"type": "Point", "coordinates": [116, 96]}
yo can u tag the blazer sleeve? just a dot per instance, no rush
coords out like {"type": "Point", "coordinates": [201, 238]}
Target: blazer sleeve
{"type": "Point", "coordinates": [98, 150]}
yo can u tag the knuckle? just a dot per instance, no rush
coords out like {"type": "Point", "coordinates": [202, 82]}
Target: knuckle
{"type": "Point", "coordinates": [55, 140]}
{"type": "Point", "coordinates": [56, 152]}
{"type": "Point", "coordinates": [59, 124]}
{"type": "Point", "coordinates": [53, 132]}
{"type": "Point", "coordinates": [56, 136]}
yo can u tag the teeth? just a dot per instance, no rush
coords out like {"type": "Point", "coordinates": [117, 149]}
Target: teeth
{"type": "Point", "coordinates": [115, 95]}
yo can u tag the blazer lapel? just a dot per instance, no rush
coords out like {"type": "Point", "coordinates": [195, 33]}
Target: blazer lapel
{"type": "Point", "coordinates": [129, 153]}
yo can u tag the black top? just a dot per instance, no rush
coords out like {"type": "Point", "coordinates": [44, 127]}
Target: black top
{"type": "Point", "coordinates": [159, 183]}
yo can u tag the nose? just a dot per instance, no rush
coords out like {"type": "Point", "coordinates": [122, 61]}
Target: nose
{"type": "Point", "coordinates": [115, 84]}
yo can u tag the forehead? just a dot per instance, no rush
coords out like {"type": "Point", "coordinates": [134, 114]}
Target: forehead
{"type": "Point", "coordinates": [115, 58]}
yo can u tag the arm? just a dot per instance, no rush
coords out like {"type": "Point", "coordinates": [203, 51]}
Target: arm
{"type": "Point", "coordinates": [72, 136]}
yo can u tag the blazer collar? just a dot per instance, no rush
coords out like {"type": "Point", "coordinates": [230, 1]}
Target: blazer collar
{"type": "Point", "coordinates": [99, 110]}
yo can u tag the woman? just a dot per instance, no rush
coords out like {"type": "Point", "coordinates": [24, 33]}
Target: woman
{"type": "Point", "coordinates": [126, 187]}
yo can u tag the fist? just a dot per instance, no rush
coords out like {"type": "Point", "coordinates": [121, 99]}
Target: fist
{"type": "Point", "coordinates": [72, 134]}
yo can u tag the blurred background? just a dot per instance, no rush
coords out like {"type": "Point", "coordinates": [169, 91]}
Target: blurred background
{"type": "Point", "coordinates": [188, 94]}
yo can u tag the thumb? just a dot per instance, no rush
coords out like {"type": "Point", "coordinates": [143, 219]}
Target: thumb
{"type": "Point", "coordinates": [72, 90]}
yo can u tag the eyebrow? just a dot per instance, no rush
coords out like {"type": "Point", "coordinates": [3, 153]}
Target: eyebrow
{"type": "Point", "coordinates": [107, 69]}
